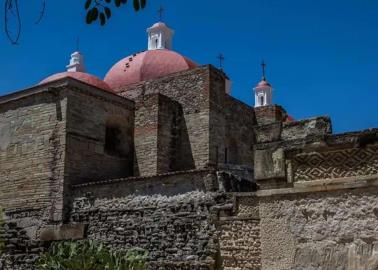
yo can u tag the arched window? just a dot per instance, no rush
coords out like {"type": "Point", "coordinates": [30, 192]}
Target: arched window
{"type": "Point", "coordinates": [113, 140]}
{"type": "Point", "coordinates": [116, 137]}
{"type": "Point", "coordinates": [261, 100]}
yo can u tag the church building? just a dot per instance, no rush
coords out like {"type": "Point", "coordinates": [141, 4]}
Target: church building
{"type": "Point", "coordinates": [158, 155]}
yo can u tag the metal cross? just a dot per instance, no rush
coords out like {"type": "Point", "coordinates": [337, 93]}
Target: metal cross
{"type": "Point", "coordinates": [161, 11]}
{"type": "Point", "coordinates": [221, 60]}
{"type": "Point", "coordinates": [77, 43]}
{"type": "Point", "coordinates": [263, 65]}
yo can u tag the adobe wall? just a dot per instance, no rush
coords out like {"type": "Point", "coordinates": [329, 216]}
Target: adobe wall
{"type": "Point", "coordinates": [32, 152]}
{"type": "Point", "coordinates": [90, 112]}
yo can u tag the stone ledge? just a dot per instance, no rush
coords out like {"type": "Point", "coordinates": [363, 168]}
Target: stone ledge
{"type": "Point", "coordinates": [323, 185]}
{"type": "Point", "coordinates": [139, 178]}
{"type": "Point", "coordinates": [62, 232]}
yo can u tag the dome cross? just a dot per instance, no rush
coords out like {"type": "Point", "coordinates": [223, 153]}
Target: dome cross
{"type": "Point", "coordinates": [221, 60]}
{"type": "Point", "coordinates": [161, 12]}
{"type": "Point", "coordinates": [263, 66]}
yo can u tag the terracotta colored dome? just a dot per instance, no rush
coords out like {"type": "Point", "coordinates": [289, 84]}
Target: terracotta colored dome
{"type": "Point", "coordinates": [263, 83]}
{"type": "Point", "coordinates": [290, 119]}
{"type": "Point", "coordinates": [81, 76]}
{"type": "Point", "coordinates": [146, 65]}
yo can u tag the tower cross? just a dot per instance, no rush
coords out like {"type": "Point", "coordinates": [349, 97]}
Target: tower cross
{"type": "Point", "coordinates": [77, 43]}
{"type": "Point", "coordinates": [221, 60]}
{"type": "Point", "coordinates": [161, 12]}
{"type": "Point", "coordinates": [263, 65]}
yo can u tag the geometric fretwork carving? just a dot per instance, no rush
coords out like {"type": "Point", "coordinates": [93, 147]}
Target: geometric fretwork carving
{"type": "Point", "coordinates": [335, 164]}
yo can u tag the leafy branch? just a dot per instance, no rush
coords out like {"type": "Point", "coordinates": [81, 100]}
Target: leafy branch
{"type": "Point", "coordinates": [99, 10]}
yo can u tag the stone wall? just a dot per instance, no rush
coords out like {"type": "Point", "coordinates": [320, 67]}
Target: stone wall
{"type": "Point", "coordinates": [329, 230]}
{"type": "Point", "coordinates": [167, 184]}
{"type": "Point", "coordinates": [240, 244]}
{"type": "Point", "coordinates": [91, 113]}
{"type": "Point", "coordinates": [20, 252]}
{"type": "Point", "coordinates": [178, 231]}
{"type": "Point", "coordinates": [240, 138]}
{"type": "Point", "coordinates": [32, 144]}
{"type": "Point", "coordinates": [335, 164]}
{"type": "Point", "coordinates": [191, 90]}
{"type": "Point", "coordinates": [270, 114]}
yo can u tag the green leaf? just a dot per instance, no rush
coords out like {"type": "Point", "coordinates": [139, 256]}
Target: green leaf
{"type": "Point", "coordinates": [88, 4]}
{"type": "Point", "coordinates": [143, 3]}
{"type": "Point", "coordinates": [102, 18]}
{"type": "Point", "coordinates": [136, 5]}
{"type": "Point", "coordinates": [108, 12]}
{"type": "Point", "coordinates": [94, 13]}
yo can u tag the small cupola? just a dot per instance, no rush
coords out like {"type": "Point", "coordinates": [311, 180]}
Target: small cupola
{"type": "Point", "coordinates": [263, 90]}
{"type": "Point", "coordinates": [160, 37]}
{"type": "Point", "coordinates": [76, 63]}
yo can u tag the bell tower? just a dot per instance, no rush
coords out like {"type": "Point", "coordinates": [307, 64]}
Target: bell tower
{"type": "Point", "coordinates": [160, 35]}
{"type": "Point", "coordinates": [263, 90]}
{"type": "Point", "coordinates": [76, 63]}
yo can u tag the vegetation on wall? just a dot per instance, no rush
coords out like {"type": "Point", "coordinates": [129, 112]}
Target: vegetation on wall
{"type": "Point", "coordinates": [89, 255]}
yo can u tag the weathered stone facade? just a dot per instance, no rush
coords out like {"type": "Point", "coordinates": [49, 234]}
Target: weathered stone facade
{"type": "Point", "coordinates": [180, 168]}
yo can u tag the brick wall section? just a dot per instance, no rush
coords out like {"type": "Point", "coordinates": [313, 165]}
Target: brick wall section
{"type": "Point", "coordinates": [270, 114]}
{"type": "Point", "coordinates": [145, 135]}
{"type": "Point", "coordinates": [32, 143]}
{"type": "Point", "coordinates": [240, 138]}
{"type": "Point", "coordinates": [90, 111]}
{"type": "Point", "coordinates": [217, 121]}
{"type": "Point", "coordinates": [191, 90]}
{"type": "Point", "coordinates": [174, 152]}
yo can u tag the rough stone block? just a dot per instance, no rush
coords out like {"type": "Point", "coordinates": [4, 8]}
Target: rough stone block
{"type": "Point", "coordinates": [269, 164]}
{"type": "Point", "coordinates": [62, 232]}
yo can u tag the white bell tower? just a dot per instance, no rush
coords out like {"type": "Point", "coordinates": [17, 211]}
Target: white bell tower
{"type": "Point", "coordinates": [76, 63]}
{"type": "Point", "coordinates": [263, 91]}
{"type": "Point", "coordinates": [160, 35]}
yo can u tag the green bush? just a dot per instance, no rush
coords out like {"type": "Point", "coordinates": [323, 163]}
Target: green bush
{"type": "Point", "coordinates": [89, 255]}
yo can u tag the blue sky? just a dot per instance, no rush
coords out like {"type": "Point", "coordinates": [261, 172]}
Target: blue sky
{"type": "Point", "coordinates": [322, 55]}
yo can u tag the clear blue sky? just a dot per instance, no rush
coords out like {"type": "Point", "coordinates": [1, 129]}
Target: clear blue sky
{"type": "Point", "coordinates": [322, 55]}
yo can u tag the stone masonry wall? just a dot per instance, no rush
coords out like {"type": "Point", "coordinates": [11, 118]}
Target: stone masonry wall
{"type": "Point", "coordinates": [240, 245]}
{"type": "Point", "coordinates": [320, 230]}
{"type": "Point", "coordinates": [32, 144]}
{"type": "Point", "coordinates": [178, 231]}
{"type": "Point", "coordinates": [240, 120]}
{"type": "Point", "coordinates": [90, 113]}
{"type": "Point", "coordinates": [191, 90]}
{"type": "Point", "coordinates": [174, 151]}
{"type": "Point", "coordinates": [146, 134]}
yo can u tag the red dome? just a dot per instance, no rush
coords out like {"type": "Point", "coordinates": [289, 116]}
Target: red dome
{"type": "Point", "coordinates": [263, 83]}
{"type": "Point", "coordinates": [290, 119]}
{"type": "Point", "coordinates": [146, 66]}
{"type": "Point", "coordinates": [81, 76]}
